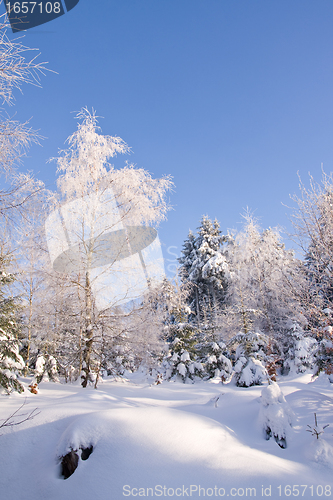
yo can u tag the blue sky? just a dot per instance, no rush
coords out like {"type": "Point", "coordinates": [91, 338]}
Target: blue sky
{"type": "Point", "coordinates": [230, 97]}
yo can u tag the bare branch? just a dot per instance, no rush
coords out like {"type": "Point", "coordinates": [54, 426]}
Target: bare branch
{"type": "Point", "coordinates": [10, 421]}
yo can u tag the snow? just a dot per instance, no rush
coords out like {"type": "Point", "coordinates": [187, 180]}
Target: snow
{"type": "Point", "coordinates": [321, 452]}
{"type": "Point", "coordinates": [272, 395]}
{"type": "Point", "coordinates": [185, 356]}
{"type": "Point", "coordinates": [165, 440]}
{"type": "Point", "coordinates": [182, 369]}
{"type": "Point", "coordinates": [275, 415]}
{"type": "Point", "coordinates": [40, 364]}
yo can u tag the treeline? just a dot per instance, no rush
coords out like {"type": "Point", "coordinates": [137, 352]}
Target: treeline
{"type": "Point", "coordinates": [242, 306]}
{"type": "Point", "coordinates": [251, 309]}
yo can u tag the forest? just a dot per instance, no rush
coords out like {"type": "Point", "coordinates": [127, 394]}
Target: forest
{"type": "Point", "coordinates": [82, 299]}
{"type": "Point", "coordinates": [241, 305]}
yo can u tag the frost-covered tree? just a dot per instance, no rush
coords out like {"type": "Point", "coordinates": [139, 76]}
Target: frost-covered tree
{"type": "Point", "coordinates": [323, 349]}
{"type": "Point", "coordinates": [299, 348]}
{"type": "Point", "coordinates": [46, 369]}
{"type": "Point", "coordinates": [203, 264]}
{"type": "Point", "coordinates": [57, 327]}
{"type": "Point", "coordinates": [250, 358]}
{"type": "Point", "coordinates": [313, 223]}
{"type": "Point", "coordinates": [264, 282]}
{"type": "Point", "coordinates": [16, 69]}
{"type": "Point", "coordinates": [116, 201]}
{"type": "Point", "coordinates": [131, 339]}
{"type": "Point", "coordinates": [182, 359]}
{"type": "Point", "coordinates": [18, 192]}
{"type": "Point", "coordinates": [11, 362]}
{"type": "Point", "coordinates": [32, 268]}
{"type": "Point", "coordinates": [276, 416]}
{"type": "Point", "coordinates": [216, 362]}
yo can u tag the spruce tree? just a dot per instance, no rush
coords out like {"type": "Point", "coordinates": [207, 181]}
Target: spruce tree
{"type": "Point", "coordinates": [11, 362]}
{"type": "Point", "coordinates": [204, 265]}
{"type": "Point", "coordinates": [299, 347]}
{"type": "Point", "coordinates": [250, 358]}
{"type": "Point", "coordinates": [323, 355]}
{"type": "Point", "coordinates": [181, 361]}
{"type": "Point", "coordinates": [216, 361]}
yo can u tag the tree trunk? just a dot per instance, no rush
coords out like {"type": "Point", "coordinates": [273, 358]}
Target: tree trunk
{"type": "Point", "coordinates": [88, 334]}
{"type": "Point", "coordinates": [26, 368]}
{"type": "Point", "coordinates": [197, 306]}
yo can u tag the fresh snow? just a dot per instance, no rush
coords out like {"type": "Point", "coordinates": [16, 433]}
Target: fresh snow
{"type": "Point", "coordinates": [166, 440]}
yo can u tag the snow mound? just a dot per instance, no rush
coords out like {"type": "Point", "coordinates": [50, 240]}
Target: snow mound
{"type": "Point", "coordinates": [321, 452]}
{"type": "Point", "coordinates": [139, 442]}
{"type": "Point", "coordinates": [272, 394]}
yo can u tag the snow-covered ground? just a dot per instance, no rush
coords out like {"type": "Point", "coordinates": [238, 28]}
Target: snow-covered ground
{"type": "Point", "coordinates": [169, 440]}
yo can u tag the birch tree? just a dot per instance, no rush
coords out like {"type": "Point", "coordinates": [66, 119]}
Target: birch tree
{"type": "Point", "coordinates": [99, 211]}
{"type": "Point", "coordinates": [17, 69]}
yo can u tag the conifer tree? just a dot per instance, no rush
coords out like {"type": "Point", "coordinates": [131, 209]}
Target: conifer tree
{"type": "Point", "coordinates": [250, 358]}
{"type": "Point", "coordinates": [323, 355]}
{"type": "Point", "coordinates": [216, 362]}
{"type": "Point", "coordinates": [181, 360]}
{"type": "Point", "coordinates": [11, 362]}
{"type": "Point", "coordinates": [299, 350]}
{"type": "Point", "coordinates": [203, 265]}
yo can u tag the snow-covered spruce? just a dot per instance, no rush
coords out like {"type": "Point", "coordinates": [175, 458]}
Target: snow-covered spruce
{"type": "Point", "coordinates": [181, 362]}
{"type": "Point", "coordinates": [46, 369]}
{"type": "Point", "coordinates": [275, 416]}
{"type": "Point", "coordinates": [10, 363]}
{"type": "Point", "coordinates": [117, 360]}
{"type": "Point", "coordinates": [203, 264]}
{"type": "Point", "coordinates": [182, 367]}
{"type": "Point", "coordinates": [300, 351]}
{"type": "Point", "coordinates": [323, 356]}
{"type": "Point", "coordinates": [216, 363]}
{"type": "Point", "coordinates": [250, 358]}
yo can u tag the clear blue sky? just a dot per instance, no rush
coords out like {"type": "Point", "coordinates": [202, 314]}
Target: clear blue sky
{"type": "Point", "coordinates": [230, 97]}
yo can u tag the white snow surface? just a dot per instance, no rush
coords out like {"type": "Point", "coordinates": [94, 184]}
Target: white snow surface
{"type": "Point", "coordinates": [164, 440]}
